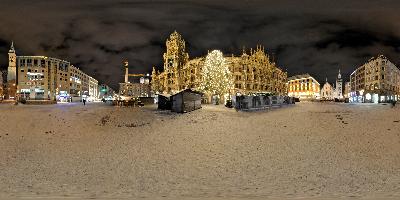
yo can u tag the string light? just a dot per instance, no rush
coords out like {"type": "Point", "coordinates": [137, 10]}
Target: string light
{"type": "Point", "coordinates": [216, 77]}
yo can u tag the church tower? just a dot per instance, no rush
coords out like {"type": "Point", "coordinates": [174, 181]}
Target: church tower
{"type": "Point", "coordinates": [174, 60]}
{"type": "Point", "coordinates": [339, 86]}
{"type": "Point", "coordinates": [12, 64]}
{"type": "Point", "coordinates": [12, 73]}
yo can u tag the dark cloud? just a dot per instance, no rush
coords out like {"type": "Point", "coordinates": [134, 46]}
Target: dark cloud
{"type": "Point", "coordinates": [316, 37]}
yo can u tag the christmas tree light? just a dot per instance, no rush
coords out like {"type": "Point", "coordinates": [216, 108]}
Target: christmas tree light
{"type": "Point", "coordinates": [216, 77]}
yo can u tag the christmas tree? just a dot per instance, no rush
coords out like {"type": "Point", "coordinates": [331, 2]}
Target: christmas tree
{"type": "Point", "coordinates": [216, 77]}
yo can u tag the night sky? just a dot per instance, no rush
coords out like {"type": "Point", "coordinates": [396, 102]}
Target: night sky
{"type": "Point", "coordinates": [316, 37]}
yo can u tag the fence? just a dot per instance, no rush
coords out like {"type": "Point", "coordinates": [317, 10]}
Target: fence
{"type": "Point", "coordinates": [260, 102]}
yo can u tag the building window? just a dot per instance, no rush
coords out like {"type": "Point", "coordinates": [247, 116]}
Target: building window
{"type": "Point", "coordinates": [383, 76]}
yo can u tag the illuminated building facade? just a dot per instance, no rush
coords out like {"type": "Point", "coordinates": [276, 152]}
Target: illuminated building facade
{"type": "Point", "coordinates": [376, 81]}
{"type": "Point", "coordinates": [327, 91]}
{"type": "Point", "coordinates": [347, 89]}
{"type": "Point", "coordinates": [303, 86]}
{"type": "Point", "coordinates": [41, 77]}
{"type": "Point", "coordinates": [93, 89]}
{"type": "Point", "coordinates": [135, 89]}
{"type": "Point", "coordinates": [252, 72]}
{"type": "Point", "coordinates": [45, 78]}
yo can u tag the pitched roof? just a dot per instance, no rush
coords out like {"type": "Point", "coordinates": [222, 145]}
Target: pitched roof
{"type": "Point", "coordinates": [188, 90]}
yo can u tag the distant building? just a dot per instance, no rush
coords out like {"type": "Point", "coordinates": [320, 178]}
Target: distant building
{"type": "Point", "coordinates": [105, 91]}
{"type": "Point", "coordinates": [2, 84]}
{"type": "Point", "coordinates": [82, 84]}
{"type": "Point", "coordinates": [141, 89]}
{"type": "Point", "coordinates": [327, 91]}
{"type": "Point", "coordinates": [3, 76]}
{"type": "Point", "coordinates": [347, 89]}
{"type": "Point", "coordinates": [303, 86]}
{"type": "Point", "coordinates": [376, 81]}
{"type": "Point", "coordinates": [135, 89]}
{"type": "Point", "coordinates": [41, 77]}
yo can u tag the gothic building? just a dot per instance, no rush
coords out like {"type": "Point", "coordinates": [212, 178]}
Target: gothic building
{"type": "Point", "coordinates": [252, 72]}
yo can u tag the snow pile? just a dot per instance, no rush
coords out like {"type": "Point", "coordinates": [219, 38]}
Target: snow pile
{"type": "Point", "coordinates": [97, 151]}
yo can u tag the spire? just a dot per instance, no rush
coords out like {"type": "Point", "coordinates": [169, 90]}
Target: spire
{"type": "Point", "coordinates": [154, 72]}
{"type": "Point", "coordinates": [326, 79]}
{"type": "Point", "coordinates": [12, 50]}
{"type": "Point", "coordinates": [175, 35]}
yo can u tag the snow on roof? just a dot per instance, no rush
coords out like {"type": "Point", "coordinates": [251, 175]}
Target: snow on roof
{"type": "Point", "coordinates": [188, 90]}
{"type": "Point", "coordinates": [300, 76]}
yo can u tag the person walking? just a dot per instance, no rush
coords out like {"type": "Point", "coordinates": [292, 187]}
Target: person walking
{"type": "Point", "coordinates": [84, 101]}
{"type": "Point", "coordinates": [393, 103]}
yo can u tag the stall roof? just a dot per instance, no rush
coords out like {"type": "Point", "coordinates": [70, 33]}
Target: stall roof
{"type": "Point", "coordinates": [188, 90]}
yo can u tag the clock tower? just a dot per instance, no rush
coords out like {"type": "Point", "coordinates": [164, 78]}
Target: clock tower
{"type": "Point", "coordinates": [12, 73]}
{"type": "Point", "coordinates": [174, 60]}
{"type": "Point", "coordinates": [12, 64]}
{"type": "Point", "coordinates": [339, 88]}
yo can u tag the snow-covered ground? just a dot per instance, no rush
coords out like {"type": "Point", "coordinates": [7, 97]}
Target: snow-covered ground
{"type": "Point", "coordinates": [309, 150]}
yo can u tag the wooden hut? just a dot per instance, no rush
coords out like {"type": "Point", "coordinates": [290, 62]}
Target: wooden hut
{"type": "Point", "coordinates": [164, 102]}
{"type": "Point", "coordinates": [147, 100]}
{"type": "Point", "coordinates": [186, 101]}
